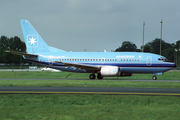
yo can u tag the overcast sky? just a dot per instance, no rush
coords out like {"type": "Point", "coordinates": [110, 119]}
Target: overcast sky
{"type": "Point", "coordinates": [94, 25]}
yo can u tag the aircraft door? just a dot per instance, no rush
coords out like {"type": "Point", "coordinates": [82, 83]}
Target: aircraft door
{"type": "Point", "coordinates": [149, 60]}
{"type": "Point", "coordinates": [50, 60]}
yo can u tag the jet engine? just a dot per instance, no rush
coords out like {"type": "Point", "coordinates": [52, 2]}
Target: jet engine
{"type": "Point", "coordinates": [110, 71]}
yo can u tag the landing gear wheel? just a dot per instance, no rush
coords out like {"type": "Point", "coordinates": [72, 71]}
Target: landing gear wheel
{"type": "Point", "coordinates": [154, 77]}
{"type": "Point", "coordinates": [99, 76]}
{"type": "Point", "coordinates": [92, 76]}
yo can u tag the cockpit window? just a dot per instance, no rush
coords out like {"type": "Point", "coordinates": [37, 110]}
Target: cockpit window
{"type": "Point", "coordinates": [163, 59]}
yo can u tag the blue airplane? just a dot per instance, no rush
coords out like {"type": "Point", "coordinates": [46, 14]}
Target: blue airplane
{"type": "Point", "coordinates": [104, 64]}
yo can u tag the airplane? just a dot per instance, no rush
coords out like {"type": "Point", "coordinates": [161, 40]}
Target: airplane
{"type": "Point", "coordinates": [104, 64]}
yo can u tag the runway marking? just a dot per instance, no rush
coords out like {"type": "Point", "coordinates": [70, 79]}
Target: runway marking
{"type": "Point", "coordinates": [103, 93]}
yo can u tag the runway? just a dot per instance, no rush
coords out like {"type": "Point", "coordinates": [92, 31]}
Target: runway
{"type": "Point", "coordinates": [135, 80]}
{"type": "Point", "coordinates": [91, 90]}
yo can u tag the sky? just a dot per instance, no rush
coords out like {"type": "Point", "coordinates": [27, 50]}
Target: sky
{"type": "Point", "coordinates": [92, 25]}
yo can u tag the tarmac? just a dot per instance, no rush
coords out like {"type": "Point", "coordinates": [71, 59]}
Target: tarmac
{"type": "Point", "coordinates": [91, 90]}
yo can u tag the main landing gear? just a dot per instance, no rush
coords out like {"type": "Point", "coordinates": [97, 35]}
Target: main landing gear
{"type": "Point", "coordinates": [93, 76]}
{"type": "Point", "coordinates": [154, 77]}
{"type": "Point", "coordinates": [99, 76]}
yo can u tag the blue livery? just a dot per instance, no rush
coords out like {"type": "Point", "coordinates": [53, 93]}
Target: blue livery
{"type": "Point", "coordinates": [101, 63]}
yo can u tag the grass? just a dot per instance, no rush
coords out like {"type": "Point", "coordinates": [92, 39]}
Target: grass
{"type": "Point", "coordinates": [63, 75]}
{"type": "Point", "coordinates": [72, 106]}
{"type": "Point", "coordinates": [34, 74]}
{"type": "Point", "coordinates": [57, 106]}
{"type": "Point", "coordinates": [84, 79]}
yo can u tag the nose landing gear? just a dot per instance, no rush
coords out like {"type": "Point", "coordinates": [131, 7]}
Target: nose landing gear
{"type": "Point", "coordinates": [154, 77]}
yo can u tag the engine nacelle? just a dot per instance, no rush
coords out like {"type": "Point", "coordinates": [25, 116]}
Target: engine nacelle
{"type": "Point", "coordinates": [110, 71]}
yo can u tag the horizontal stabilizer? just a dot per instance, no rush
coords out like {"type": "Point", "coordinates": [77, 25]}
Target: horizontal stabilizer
{"type": "Point", "coordinates": [19, 53]}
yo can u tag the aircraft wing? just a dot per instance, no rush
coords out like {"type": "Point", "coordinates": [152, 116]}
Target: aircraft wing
{"type": "Point", "coordinates": [81, 66]}
{"type": "Point", "coordinates": [19, 53]}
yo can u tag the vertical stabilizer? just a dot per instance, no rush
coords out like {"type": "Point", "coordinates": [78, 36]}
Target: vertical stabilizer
{"type": "Point", "coordinates": [34, 42]}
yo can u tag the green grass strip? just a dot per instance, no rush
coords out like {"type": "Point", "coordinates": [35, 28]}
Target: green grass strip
{"type": "Point", "coordinates": [81, 83]}
{"type": "Point", "coordinates": [91, 107]}
{"type": "Point", "coordinates": [174, 75]}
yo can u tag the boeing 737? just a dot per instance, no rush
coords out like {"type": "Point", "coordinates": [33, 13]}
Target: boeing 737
{"type": "Point", "coordinates": [104, 64]}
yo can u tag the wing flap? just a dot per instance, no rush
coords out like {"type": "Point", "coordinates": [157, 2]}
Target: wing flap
{"type": "Point", "coordinates": [81, 66]}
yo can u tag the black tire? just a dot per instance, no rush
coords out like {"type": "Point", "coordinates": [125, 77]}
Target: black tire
{"type": "Point", "coordinates": [99, 76]}
{"type": "Point", "coordinates": [92, 76]}
{"type": "Point", "coordinates": [154, 78]}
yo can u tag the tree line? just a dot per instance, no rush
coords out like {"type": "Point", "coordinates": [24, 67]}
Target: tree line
{"type": "Point", "coordinates": [170, 51]}
{"type": "Point", "coordinates": [13, 44]}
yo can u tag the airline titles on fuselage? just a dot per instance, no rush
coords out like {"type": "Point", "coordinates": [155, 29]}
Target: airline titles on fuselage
{"type": "Point", "coordinates": [118, 58]}
{"type": "Point", "coordinates": [125, 56]}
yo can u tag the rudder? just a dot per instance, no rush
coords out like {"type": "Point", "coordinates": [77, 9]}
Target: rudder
{"type": "Point", "coordinates": [34, 42]}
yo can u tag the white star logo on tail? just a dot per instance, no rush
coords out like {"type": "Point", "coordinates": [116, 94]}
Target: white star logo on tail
{"type": "Point", "coordinates": [32, 40]}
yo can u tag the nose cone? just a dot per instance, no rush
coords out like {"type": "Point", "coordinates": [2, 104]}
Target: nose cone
{"type": "Point", "coordinates": [174, 65]}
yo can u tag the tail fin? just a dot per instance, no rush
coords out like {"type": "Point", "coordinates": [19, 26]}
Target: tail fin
{"type": "Point", "coordinates": [34, 42]}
